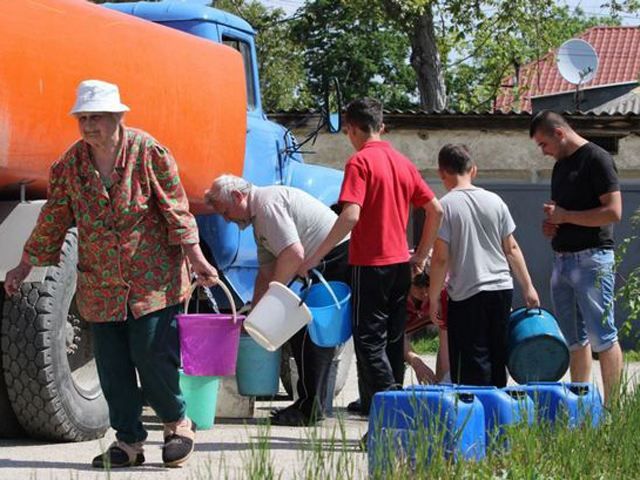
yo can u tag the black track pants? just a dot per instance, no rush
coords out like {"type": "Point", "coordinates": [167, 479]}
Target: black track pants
{"type": "Point", "coordinates": [379, 317]}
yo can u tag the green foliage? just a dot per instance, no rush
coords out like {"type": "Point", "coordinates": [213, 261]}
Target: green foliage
{"type": "Point", "coordinates": [502, 42]}
{"type": "Point", "coordinates": [280, 58]}
{"type": "Point", "coordinates": [427, 344]}
{"type": "Point", "coordinates": [628, 292]}
{"type": "Point", "coordinates": [358, 45]}
{"type": "Point", "coordinates": [366, 44]}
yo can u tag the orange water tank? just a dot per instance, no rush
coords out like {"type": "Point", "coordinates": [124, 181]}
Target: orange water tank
{"type": "Point", "coordinates": [187, 92]}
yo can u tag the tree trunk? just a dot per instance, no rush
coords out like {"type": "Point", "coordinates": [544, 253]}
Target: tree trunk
{"type": "Point", "coordinates": [425, 60]}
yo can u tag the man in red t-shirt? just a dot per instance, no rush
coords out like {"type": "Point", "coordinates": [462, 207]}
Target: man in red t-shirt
{"type": "Point", "coordinates": [379, 186]}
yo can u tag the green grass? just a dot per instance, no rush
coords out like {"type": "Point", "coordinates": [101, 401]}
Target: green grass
{"type": "Point", "coordinates": [425, 345]}
{"type": "Point", "coordinates": [631, 355]}
{"type": "Point", "coordinates": [536, 452]}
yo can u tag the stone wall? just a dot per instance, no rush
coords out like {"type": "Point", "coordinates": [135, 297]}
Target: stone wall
{"type": "Point", "coordinates": [500, 144]}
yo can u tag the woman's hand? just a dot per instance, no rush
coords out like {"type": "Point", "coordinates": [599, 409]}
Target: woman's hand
{"type": "Point", "coordinates": [206, 274]}
{"type": "Point", "coordinates": [15, 277]}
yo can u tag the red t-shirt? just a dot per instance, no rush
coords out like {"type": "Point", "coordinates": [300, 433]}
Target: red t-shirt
{"type": "Point", "coordinates": [418, 315]}
{"type": "Point", "coordinates": [383, 182]}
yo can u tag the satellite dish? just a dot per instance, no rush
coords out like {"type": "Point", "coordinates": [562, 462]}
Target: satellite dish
{"type": "Point", "coordinates": [577, 61]}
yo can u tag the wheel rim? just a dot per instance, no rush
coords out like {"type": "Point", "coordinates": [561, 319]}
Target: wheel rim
{"type": "Point", "coordinates": [79, 345]}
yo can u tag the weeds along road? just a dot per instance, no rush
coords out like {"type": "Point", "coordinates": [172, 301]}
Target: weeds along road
{"type": "Point", "coordinates": [231, 449]}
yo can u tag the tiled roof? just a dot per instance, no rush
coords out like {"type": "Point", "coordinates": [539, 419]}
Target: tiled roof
{"type": "Point", "coordinates": [618, 50]}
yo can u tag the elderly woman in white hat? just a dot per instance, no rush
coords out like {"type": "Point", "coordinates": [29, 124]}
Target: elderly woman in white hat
{"type": "Point", "coordinates": [121, 189]}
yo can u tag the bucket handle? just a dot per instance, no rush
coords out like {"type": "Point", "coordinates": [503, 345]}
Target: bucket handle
{"type": "Point", "coordinates": [226, 291]}
{"type": "Point", "coordinates": [305, 288]}
{"type": "Point", "coordinates": [326, 285]}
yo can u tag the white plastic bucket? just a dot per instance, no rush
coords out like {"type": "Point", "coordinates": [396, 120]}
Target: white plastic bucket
{"type": "Point", "coordinates": [276, 317]}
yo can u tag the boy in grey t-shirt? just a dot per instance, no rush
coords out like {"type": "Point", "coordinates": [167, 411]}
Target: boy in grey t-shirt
{"type": "Point", "coordinates": [476, 245]}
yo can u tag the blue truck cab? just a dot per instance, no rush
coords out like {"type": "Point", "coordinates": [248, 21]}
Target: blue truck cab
{"type": "Point", "coordinates": [271, 157]}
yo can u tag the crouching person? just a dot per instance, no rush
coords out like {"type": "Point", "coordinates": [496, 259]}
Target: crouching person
{"type": "Point", "coordinates": [121, 189]}
{"type": "Point", "coordinates": [287, 222]}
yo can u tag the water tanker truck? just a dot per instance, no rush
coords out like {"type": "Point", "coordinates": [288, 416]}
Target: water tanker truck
{"type": "Point", "coordinates": [189, 74]}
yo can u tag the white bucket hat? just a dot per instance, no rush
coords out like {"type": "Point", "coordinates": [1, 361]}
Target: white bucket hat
{"type": "Point", "coordinates": [98, 96]}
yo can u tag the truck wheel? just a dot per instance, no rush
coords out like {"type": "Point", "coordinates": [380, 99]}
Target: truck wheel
{"type": "Point", "coordinates": [47, 358]}
{"type": "Point", "coordinates": [344, 357]}
{"type": "Point", "coordinates": [9, 426]}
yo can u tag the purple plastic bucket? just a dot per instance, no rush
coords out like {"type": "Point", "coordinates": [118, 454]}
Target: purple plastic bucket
{"type": "Point", "coordinates": [209, 343]}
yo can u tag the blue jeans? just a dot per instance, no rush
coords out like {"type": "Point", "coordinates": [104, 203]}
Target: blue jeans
{"type": "Point", "coordinates": [582, 290]}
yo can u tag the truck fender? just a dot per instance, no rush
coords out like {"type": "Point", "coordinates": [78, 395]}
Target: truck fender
{"type": "Point", "coordinates": [17, 220]}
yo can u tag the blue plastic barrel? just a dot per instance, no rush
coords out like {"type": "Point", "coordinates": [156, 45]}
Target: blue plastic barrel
{"type": "Point", "coordinates": [501, 408]}
{"type": "Point", "coordinates": [414, 424]}
{"type": "Point", "coordinates": [330, 306]}
{"type": "Point", "coordinates": [438, 387]}
{"type": "Point", "coordinates": [538, 351]}
{"type": "Point", "coordinates": [577, 403]}
{"type": "Point", "coordinates": [525, 409]}
{"type": "Point", "coordinates": [257, 370]}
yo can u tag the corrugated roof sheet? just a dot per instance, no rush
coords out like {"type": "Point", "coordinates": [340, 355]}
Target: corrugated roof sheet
{"type": "Point", "coordinates": [450, 113]}
{"type": "Point", "coordinates": [618, 50]}
{"type": "Point", "coordinates": [624, 105]}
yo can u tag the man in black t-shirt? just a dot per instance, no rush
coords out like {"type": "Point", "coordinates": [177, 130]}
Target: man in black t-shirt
{"type": "Point", "coordinates": [585, 202]}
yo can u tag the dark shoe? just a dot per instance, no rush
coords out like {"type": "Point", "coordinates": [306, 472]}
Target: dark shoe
{"type": "Point", "coordinates": [355, 407]}
{"type": "Point", "coordinates": [292, 417]}
{"type": "Point", "coordinates": [118, 455]}
{"type": "Point", "coordinates": [178, 445]}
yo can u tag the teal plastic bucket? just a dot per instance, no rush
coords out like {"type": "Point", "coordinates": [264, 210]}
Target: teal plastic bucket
{"type": "Point", "coordinates": [330, 307]}
{"type": "Point", "coordinates": [538, 351]}
{"type": "Point", "coordinates": [258, 369]}
{"type": "Point", "coordinates": [201, 397]}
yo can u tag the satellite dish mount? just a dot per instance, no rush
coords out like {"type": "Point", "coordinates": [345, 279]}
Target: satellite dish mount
{"type": "Point", "coordinates": [578, 64]}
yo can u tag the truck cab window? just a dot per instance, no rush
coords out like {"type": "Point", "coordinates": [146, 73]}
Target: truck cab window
{"type": "Point", "coordinates": [245, 50]}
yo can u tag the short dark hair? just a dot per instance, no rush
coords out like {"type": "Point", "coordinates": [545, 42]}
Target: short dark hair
{"type": "Point", "coordinates": [455, 159]}
{"type": "Point", "coordinates": [547, 121]}
{"type": "Point", "coordinates": [365, 113]}
{"type": "Point", "coordinates": [421, 280]}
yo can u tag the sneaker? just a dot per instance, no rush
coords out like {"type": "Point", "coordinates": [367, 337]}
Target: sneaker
{"type": "Point", "coordinates": [119, 455]}
{"type": "Point", "coordinates": [178, 444]}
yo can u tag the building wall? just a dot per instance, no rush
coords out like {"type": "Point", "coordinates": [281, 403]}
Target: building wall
{"type": "Point", "coordinates": [508, 155]}
{"type": "Point", "coordinates": [511, 165]}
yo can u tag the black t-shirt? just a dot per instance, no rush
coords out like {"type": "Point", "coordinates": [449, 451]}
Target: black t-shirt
{"type": "Point", "coordinates": [577, 183]}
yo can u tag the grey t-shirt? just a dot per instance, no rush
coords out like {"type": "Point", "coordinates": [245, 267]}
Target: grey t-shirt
{"type": "Point", "coordinates": [474, 224]}
{"type": "Point", "coordinates": [282, 216]}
